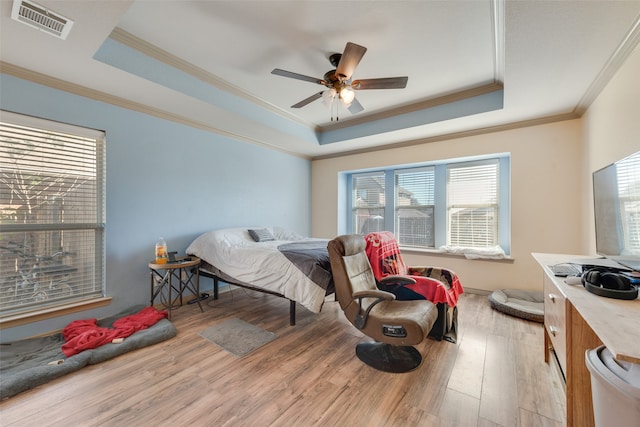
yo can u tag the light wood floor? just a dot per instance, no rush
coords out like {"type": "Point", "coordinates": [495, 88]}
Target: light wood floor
{"type": "Point", "coordinates": [308, 376]}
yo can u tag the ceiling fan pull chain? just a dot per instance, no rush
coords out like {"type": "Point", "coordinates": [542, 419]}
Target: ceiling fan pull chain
{"type": "Point", "coordinates": [333, 107]}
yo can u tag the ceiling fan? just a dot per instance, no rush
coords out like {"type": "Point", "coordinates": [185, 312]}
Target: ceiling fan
{"type": "Point", "coordinates": [339, 82]}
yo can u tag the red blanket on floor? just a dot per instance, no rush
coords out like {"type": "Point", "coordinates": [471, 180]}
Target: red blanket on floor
{"type": "Point", "coordinates": [434, 284]}
{"type": "Point", "coordinates": [82, 335]}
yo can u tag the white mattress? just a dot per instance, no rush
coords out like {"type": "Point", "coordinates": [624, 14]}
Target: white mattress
{"type": "Point", "coordinates": [261, 264]}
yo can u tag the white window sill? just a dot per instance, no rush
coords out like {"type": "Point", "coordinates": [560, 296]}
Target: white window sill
{"type": "Point", "coordinates": [51, 312]}
{"type": "Point", "coordinates": [439, 253]}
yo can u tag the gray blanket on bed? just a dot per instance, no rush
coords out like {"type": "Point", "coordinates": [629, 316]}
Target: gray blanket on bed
{"type": "Point", "coordinates": [310, 257]}
{"type": "Point", "coordinates": [25, 364]}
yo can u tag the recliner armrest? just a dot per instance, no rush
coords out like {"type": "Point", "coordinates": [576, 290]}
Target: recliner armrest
{"type": "Point", "coordinates": [374, 293]}
{"type": "Point", "coordinates": [361, 318]}
{"type": "Point", "coordinates": [397, 280]}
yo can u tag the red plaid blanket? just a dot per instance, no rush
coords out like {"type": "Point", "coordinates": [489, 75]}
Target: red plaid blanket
{"type": "Point", "coordinates": [432, 283]}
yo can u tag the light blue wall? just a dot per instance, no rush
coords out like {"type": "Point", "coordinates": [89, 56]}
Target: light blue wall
{"type": "Point", "coordinates": [170, 180]}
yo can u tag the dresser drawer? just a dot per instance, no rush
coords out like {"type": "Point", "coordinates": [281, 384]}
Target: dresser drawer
{"type": "Point", "coordinates": [555, 320]}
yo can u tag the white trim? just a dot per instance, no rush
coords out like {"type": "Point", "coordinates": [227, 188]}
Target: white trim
{"type": "Point", "coordinates": [36, 122]}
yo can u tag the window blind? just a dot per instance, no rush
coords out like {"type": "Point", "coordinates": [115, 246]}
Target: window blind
{"type": "Point", "coordinates": [472, 204]}
{"type": "Point", "coordinates": [52, 218]}
{"type": "Point", "coordinates": [414, 198]}
{"type": "Point", "coordinates": [455, 202]}
{"type": "Point", "coordinates": [628, 171]}
{"type": "Point", "coordinates": [368, 201]}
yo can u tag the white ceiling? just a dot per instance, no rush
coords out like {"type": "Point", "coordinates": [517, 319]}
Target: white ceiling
{"type": "Point", "coordinates": [208, 63]}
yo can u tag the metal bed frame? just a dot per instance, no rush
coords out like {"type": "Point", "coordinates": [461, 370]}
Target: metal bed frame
{"type": "Point", "coordinates": [217, 279]}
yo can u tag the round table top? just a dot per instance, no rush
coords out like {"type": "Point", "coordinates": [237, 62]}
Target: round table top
{"type": "Point", "coordinates": [181, 262]}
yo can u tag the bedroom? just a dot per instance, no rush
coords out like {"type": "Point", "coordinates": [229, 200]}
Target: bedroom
{"type": "Point", "coordinates": [256, 185]}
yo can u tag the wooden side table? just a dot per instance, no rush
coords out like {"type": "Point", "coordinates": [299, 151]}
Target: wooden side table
{"type": "Point", "coordinates": [175, 276]}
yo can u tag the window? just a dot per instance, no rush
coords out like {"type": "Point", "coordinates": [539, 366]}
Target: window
{"type": "Point", "coordinates": [453, 203]}
{"type": "Point", "coordinates": [52, 214]}
{"type": "Point", "coordinates": [472, 205]}
{"type": "Point", "coordinates": [368, 202]}
{"type": "Point", "coordinates": [628, 173]}
{"type": "Point", "coordinates": [414, 196]}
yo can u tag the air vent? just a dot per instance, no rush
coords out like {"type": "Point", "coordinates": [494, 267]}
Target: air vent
{"type": "Point", "coordinates": [39, 17]}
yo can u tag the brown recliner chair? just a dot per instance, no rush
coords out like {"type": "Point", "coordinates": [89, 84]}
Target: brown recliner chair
{"type": "Point", "coordinates": [396, 326]}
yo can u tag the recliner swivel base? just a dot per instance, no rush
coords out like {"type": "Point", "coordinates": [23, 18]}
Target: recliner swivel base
{"type": "Point", "coordinates": [389, 358]}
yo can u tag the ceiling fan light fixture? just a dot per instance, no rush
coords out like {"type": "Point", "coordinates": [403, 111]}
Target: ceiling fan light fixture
{"type": "Point", "coordinates": [339, 83]}
{"type": "Point", "coordinates": [347, 95]}
{"type": "Point", "coordinates": [328, 97]}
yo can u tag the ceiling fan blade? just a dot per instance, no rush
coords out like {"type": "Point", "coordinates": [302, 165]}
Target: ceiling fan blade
{"type": "Point", "coordinates": [350, 59]}
{"type": "Point", "coordinates": [383, 83]}
{"type": "Point", "coordinates": [355, 107]}
{"type": "Point", "coordinates": [308, 100]}
{"type": "Point", "coordinates": [291, 74]}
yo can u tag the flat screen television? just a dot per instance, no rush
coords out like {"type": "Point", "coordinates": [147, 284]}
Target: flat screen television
{"type": "Point", "coordinates": [616, 199]}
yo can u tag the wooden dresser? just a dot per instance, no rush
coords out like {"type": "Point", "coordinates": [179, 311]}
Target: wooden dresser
{"type": "Point", "coordinates": [576, 321]}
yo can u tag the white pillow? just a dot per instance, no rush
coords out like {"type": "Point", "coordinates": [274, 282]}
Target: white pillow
{"type": "Point", "coordinates": [281, 233]}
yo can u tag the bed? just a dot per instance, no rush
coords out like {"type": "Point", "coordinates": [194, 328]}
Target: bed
{"type": "Point", "coordinates": [272, 260]}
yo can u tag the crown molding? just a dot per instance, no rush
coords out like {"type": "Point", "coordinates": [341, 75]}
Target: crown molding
{"type": "Point", "coordinates": [498, 21]}
{"type": "Point", "coordinates": [418, 106]}
{"type": "Point", "coordinates": [621, 54]}
{"type": "Point", "coordinates": [456, 135]}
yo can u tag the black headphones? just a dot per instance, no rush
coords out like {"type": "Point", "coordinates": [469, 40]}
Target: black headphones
{"type": "Point", "coordinates": [607, 284]}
